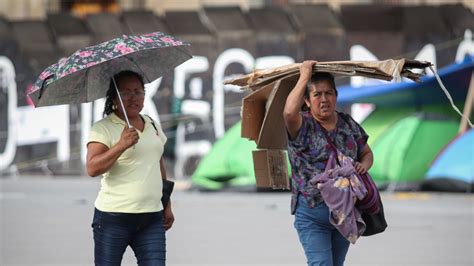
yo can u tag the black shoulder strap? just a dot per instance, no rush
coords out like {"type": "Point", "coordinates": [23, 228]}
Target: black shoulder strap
{"type": "Point", "coordinates": [153, 123]}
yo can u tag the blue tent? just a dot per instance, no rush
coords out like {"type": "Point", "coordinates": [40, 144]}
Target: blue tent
{"type": "Point", "coordinates": [394, 100]}
{"type": "Point", "coordinates": [453, 169]}
{"type": "Point", "coordinates": [455, 77]}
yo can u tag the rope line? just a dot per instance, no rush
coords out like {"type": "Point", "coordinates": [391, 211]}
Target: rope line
{"type": "Point", "coordinates": [449, 96]}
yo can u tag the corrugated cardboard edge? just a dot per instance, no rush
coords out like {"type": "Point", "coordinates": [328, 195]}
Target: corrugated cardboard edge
{"type": "Point", "coordinates": [253, 112]}
{"type": "Point", "coordinates": [272, 131]}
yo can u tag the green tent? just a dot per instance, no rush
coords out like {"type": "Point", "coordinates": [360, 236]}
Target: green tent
{"type": "Point", "coordinates": [383, 118]}
{"type": "Point", "coordinates": [404, 150]}
{"type": "Point", "coordinates": [229, 163]}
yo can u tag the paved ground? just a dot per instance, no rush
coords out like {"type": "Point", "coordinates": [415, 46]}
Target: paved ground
{"type": "Point", "coordinates": [46, 221]}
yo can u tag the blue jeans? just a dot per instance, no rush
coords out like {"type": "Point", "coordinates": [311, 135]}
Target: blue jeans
{"type": "Point", "coordinates": [143, 232]}
{"type": "Point", "coordinates": [322, 243]}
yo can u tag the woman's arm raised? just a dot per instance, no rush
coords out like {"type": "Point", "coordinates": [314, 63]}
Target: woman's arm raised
{"type": "Point", "coordinates": [295, 99]}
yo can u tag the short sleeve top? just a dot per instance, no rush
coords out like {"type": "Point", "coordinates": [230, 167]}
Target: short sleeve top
{"type": "Point", "coordinates": [133, 184]}
{"type": "Point", "coordinates": [310, 151]}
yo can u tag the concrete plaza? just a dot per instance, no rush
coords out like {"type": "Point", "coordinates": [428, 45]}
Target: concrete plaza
{"type": "Point", "coordinates": [46, 221]}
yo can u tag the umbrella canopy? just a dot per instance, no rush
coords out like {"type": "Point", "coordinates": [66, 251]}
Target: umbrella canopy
{"type": "Point", "coordinates": [85, 75]}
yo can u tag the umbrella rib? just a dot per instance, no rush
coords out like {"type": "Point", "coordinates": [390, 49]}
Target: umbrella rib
{"type": "Point", "coordinates": [143, 72]}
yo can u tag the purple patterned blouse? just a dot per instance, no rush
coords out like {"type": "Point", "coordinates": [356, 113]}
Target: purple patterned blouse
{"type": "Point", "coordinates": [310, 151]}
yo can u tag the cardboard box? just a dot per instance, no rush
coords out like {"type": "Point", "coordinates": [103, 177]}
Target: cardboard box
{"type": "Point", "coordinates": [273, 131]}
{"type": "Point", "coordinates": [271, 169]}
{"type": "Point", "coordinates": [262, 122]}
{"type": "Point", "coordinates": [262, 114]}
{"type": "Point", "coordinates": [253, 112]}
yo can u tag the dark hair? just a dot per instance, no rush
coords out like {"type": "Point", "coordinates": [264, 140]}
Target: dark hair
{"type": "Point", "coordinates": [112, 92]}
{"type": "Point", "coordinates": [318, 77]}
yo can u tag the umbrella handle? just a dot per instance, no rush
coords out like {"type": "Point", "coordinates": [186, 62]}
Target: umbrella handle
{"type": "Point", "coordinates": [121, 103]}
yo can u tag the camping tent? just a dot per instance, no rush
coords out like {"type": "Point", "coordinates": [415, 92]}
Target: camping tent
{"type": "Point", "coordinates": [404, 151]}
{"type": "Point", "coordinates": [404, 147]}
{"type": "Point", "coordinates": [456, 78]}
{"type": "Point", "coordinates": [453, 168]}
{"type": "Point", "coordinates": [229, 163]}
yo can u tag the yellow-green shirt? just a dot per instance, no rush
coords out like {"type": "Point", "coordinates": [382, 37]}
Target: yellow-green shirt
{"type": "Point", "coordinates": [133, 184]}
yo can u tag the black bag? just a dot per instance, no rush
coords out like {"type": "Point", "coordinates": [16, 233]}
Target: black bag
{"type": "Point", "coordinates": [375, 223]}
{"type": "Point", "coordinates": [167, 189]}
{"type": "Point", "coordinates": [167, 184]}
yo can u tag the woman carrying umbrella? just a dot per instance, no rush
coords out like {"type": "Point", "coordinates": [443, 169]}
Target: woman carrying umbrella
{"type": "Point", "coordinates": [128, 208]}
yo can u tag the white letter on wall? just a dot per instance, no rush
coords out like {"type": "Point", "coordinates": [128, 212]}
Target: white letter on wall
{"type": "Point", "coordinates": [234, 55]}
{"type": "Point", "coordinates": [185, 149]}
{"type": "Point", "coordinates": [7, 82]}
{"type": "Point", "coordinates": [466, 47]}
{"type": "Point", "coordinates": [360, 53]}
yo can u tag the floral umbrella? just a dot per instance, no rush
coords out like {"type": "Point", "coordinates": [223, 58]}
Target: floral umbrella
{"type": "Point", "coordinates": [85, 75]}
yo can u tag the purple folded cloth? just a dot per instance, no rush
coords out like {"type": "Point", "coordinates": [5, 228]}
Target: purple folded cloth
{"type": "Point", "coordinates": [340, 188]}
